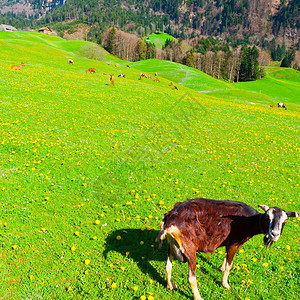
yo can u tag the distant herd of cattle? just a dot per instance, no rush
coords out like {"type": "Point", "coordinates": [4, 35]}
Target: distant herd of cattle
{"type": "Point", "coordinates": [142, 75]}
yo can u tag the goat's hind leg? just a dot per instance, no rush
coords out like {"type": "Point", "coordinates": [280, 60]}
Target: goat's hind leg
{"type": "Point", "coordinates": [192, 276]}
{"type": "Point", "coordinates": [222, 268]}
{"type": "Point", "coordinates": [170, 285]}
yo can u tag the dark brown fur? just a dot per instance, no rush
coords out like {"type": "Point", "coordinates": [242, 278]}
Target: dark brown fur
{"type": "Point", "coordinates": [203, 225]}
{"type": "Point", "coordinates": [210, 223]}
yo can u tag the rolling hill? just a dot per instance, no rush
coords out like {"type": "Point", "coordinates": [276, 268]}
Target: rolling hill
{"type": "Point", "coordinates": [89, 169]}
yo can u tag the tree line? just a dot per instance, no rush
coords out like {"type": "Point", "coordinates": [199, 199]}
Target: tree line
{"type": "Point", "coordinates": [238, 64]}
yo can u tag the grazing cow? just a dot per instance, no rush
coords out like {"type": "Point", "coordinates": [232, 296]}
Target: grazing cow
{"type": "Point", "coordinates": [171, 84]}
{"type": "Point", "coordinates": [118, 65]}
{"type": "Point", "coordinates": [127, 66]}
{"type": "Point", "coordinates": [156, 79]}
{"type": "Point", "coordinates": [203, 225]}
{"type": "Point", "coordinates": [155, 74]}
{"type": "Point", "coordinates": [71, 61]}
{"type": "Point", "coordinates": [105, 74]}
{"type": "Point", "coordinates": [121, 75]}
{"type": "Point", "coordinates": [282, 105]}
{"type": "Point", "coordinates": [273, 106]}
{"type": "Point", "coordinates": [112, 80]}
{"type": "Point", "coordinates": [91, 70]}
{"type": "Point", "coordinates": [175, 88]}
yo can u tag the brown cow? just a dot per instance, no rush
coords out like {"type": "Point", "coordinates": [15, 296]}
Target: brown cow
{"type": "Point", "coordinates": [273, 106]}
{"type": "Point", "coordinates": [203, 225]}
{"type": "Point", "coordinates": [91, 70]}
{"type": "Point", "coordinates": [156, 79]}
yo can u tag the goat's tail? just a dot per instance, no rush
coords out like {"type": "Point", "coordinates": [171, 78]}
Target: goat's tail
{"type": "Point", "coordinates": [174, 243]}
{"type": "Point", "coordinates": [162, 235]}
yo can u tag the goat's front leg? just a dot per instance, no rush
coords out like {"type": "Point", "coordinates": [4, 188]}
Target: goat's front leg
{"type": "Point", "coordinates": [170, 284]}
{"type": "Point", "coordinates": [227, 264]}
{"type": "Point", "coordinates": [192, 277]}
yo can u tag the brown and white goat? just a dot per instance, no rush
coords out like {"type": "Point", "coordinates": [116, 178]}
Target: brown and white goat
{"type": "Point", "coordinates": [280, 104]}
{"type": "Point", "coordinates": [203, 225]}
{"type": "Point", "coordinates": [14, 67]}
{"type": "Point", "coordinates": [112, 80]}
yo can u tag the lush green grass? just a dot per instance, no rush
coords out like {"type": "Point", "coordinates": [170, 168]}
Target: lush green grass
{"type": "Point", "coordinates": [159, 39]}
{"type": "Point", "coordinates": [186, 76]}
{"type": "Point", "coordinates": [279, 85]}
{"type": "Point", "coordinates": [88, 170]}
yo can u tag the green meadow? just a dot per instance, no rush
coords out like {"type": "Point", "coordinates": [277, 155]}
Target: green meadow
{"type": "Point", "coordinates": [158, 39]}
{"type": "Point", "coordinates": [87, 171]}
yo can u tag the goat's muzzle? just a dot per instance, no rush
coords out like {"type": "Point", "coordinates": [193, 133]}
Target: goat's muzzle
{"type": "Point", "coordinates": [268, 241]}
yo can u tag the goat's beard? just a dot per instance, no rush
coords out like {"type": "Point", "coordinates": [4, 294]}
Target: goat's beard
{"type": "Point", "coordinates": [268, 241]}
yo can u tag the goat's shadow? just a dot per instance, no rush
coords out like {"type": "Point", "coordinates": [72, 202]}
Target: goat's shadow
{"type": "Point", "coordinates": [140, 245]}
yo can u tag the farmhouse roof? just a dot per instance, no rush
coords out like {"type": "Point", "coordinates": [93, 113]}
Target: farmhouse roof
{"type": "Point", "coordinates": [4, 27]}
{"type": "Point", "coordinates": [45, 29]}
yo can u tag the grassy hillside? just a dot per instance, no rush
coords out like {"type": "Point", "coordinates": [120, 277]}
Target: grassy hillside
{"type": "Point", "coordinates": [181, 74]}
{"type": "Point", "coordinates": [279, 85]}
{"type": "Point", "coordinates": [88, 170]}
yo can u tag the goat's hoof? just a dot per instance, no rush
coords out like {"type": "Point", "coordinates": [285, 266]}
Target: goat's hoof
{"type": "Point", "coordinates": [226, 286]}
{"type": "Point", "coordinates": [172, 286]}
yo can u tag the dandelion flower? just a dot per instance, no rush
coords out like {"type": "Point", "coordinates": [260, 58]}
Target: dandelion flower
{"type": "Point", "coordinates": [142, 243]}
{"type": "Point", "coordinates": [76, 233]}
{"type": "Point", "coordinates": [73, 248]}
{"type": "Point", "coordinates": [135, 288]}
{"type": "Point", "coordinates": [114, 285]}
{"type": "Point", "coordinates": [14, 247]}
{"type": "Point", "coordinates": [118, 237]}
{"type": "Point", "coordinates": [288, 247]}
{"type": "Point", "coordinates": [87, 262]}
{"type": "Point", "coordinates": [97, 222]}
{"type": "Point", "coordinates": [265, 265]}
{"type": "Point", "coordinates": [143, 297]}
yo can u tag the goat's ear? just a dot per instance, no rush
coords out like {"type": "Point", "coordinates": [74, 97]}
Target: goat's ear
{"type": "Point", "coordinates": [292, 214]}
{"type": "Point", "coordinates": [264, 207]}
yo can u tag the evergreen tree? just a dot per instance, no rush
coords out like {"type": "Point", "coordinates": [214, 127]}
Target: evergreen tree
{"type": "Point", "coordinates": [249, 69]}
{"type": "Point", "coordinates": [111, 40]}
{"type": "Point", "coordinates": [288, 59]}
